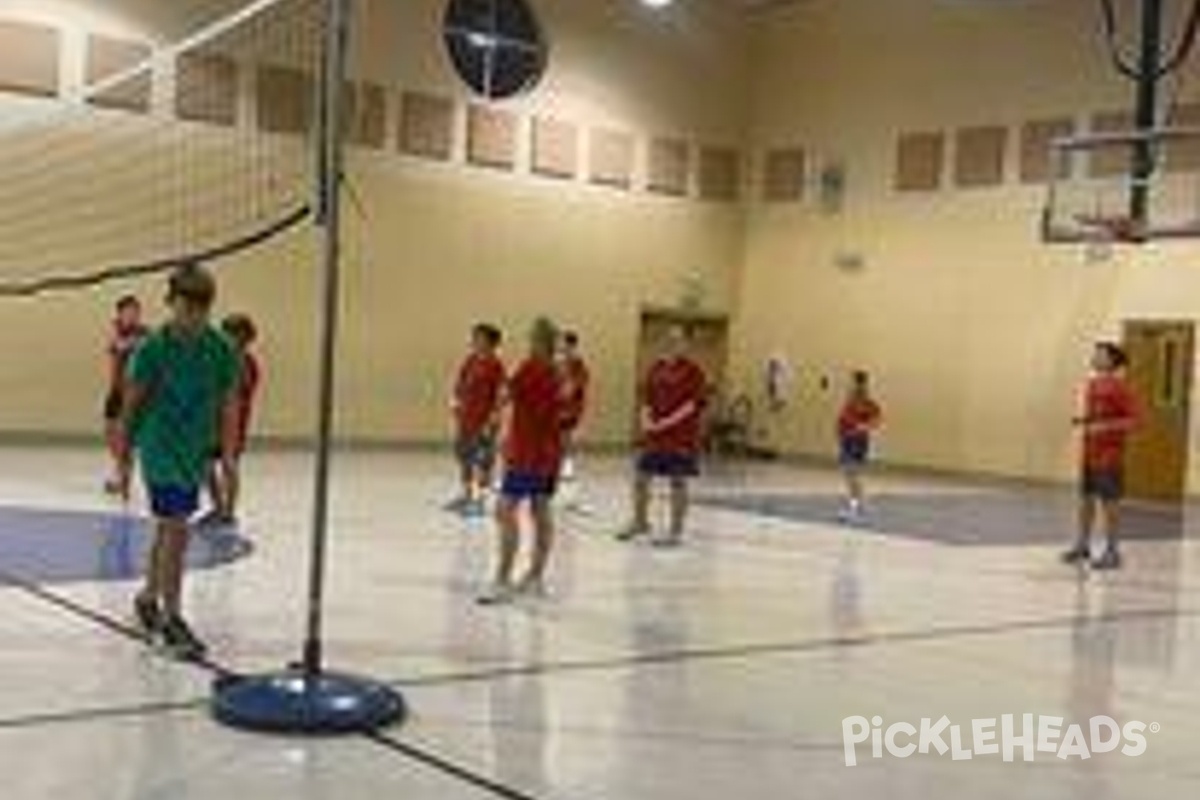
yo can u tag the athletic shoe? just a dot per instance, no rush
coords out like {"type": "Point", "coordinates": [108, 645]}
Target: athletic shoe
{"type": "Point", "coordinates": [849, 516]}
{"type": "Point", "coordinates": [632, 532]}
{"type": "Point", "coordinates": [1077, 554]}
{"type": "Point", "coordinates": [216, 519]}
{"type": "Point", "coordinates": [180, 641]}
{"type": "Point", "coordinates": [498, 594]}
{"type": "Point", "coordinates": [474, 508]}
{"type": "Point", "coordinates": [667, 540]}
{"type": "Point", "coordinates": [456, 505]}
{"type": "Point", "coordinates": [580, 508]}
{"type": "Point", "coordinates": [1111, 559]}
{"type": "Point", "coordinates": [532, 587]}
{"type": "Point", "coordinates": [149, 616]}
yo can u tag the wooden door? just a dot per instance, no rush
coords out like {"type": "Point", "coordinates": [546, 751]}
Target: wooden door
{"type": "Point", "coordinates": [1161, 357]}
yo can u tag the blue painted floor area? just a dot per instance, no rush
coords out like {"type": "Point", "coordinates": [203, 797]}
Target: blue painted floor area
{"type": "Point", "coordinates": [49, 546]}
{"type": "Point", "coordinates": [1017, 517]}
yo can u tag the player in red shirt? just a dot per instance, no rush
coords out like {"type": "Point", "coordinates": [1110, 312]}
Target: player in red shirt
{"type": "Point", "coordinates": [225, 479]}
{"type": "Point", "coordinates": [575, 383]}
{"type": "Point", "coordinates": [533, 451]}
{"type": "Point", "coordinates": [476, 406]}
{"type": "Point", "coordinates": [674, 396]}
{"type": "Point", "coordinates": [859, 418]}
{"type": "Point", "coordinates": [1110, 414]}
{"type": "Point", "coordinates": [127, 333]}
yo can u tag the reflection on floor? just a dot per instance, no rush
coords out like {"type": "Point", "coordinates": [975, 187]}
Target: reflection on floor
{"type": "Point", "coordinates": [50, 546]}
{"type": "Point", "coordinates": [723, 669]}
{"type": "Point", "coordinates": [997, 517]}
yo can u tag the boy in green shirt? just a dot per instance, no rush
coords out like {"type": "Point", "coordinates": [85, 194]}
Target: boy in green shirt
{"type": "Point", "coordinates": [180, 403]}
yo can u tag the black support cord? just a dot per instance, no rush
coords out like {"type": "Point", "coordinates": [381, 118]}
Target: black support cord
{"type": "Point", "coordinates": [87, 280]}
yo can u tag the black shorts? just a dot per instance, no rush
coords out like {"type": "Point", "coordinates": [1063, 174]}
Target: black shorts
{"type": "Point", "coordinates": [668, 465]}
{"type": "Point", "coordinates": [854, 451]}
{"type": "Point", "coordinates": [476, 450]}
{"type": "Point", "coordinates": [517, 486]}
{"type": "Point", "coordinates": [113, 405]}
{"type": "Point", "coordinates": [1103, 484]}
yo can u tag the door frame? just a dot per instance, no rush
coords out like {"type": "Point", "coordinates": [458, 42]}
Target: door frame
{"type": "Point", "coordinates": [1149, 402]}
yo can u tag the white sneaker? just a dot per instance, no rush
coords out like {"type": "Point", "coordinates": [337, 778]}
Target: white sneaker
{"type": "Point", "coordinates": [851, 514]}
{"type": "Point", "coordinates": [497, 594]}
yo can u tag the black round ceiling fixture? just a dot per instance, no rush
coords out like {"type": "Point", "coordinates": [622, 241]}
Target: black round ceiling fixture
{"type": "Point", "coordinates": [496, 46]}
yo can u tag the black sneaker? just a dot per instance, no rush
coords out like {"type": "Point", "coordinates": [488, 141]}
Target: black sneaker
{"type": "Point", "coordinates": [1077, 554]}
{"type": "Point", "coordinates": [217, 519]}
{"type": "Point", "coordinates": [178, 638]}
{"type": "Point", "coordinates": [1110, 560]}
{"type": "Point", "coordinates": [632, 532]}
{"type": "Point", "coordinates": [148, 614]}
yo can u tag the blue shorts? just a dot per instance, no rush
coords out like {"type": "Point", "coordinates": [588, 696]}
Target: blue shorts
{"type": "Point", "coordinates": [1103, 484]}
{"type": "Point", "coordinates": [477, 450]}
{"type": "Point", "coordinates": [668, 465]}
{"type": "Point", "coordinates": [853, 451]}
{"type": "Point", "coordinates": [173, 502]}
{"type": "Point", "coordinates": [518, 486]}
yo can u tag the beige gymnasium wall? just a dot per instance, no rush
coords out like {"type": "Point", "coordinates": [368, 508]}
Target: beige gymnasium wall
{"type": "Point", "coordinates": [439, 245]}
{"type": "Point", "coordinates": [977, 333]}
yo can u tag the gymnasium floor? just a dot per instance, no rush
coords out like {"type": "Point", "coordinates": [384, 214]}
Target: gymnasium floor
{"type": "Point", "coordinates": [721, 670]}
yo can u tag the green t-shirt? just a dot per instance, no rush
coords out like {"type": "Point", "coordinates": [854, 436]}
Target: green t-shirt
{"type": "Point", "coordinates": [187, 378]}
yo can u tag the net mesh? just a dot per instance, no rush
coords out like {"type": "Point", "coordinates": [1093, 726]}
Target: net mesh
{"type": "Point", "coordinates": [200, 150]}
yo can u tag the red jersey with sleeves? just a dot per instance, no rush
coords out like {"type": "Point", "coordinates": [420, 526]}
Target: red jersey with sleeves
{"type": "Point", "coordinates": [575, 378]}
{"type": "Point", "coordinates": [1107, 399]}
{"type": "Point", "coordinates": [477, 392]}
{"type": "Point", "coordinates": [248, 383]}
{"type": "Point", "coordinates": [671, 384]}
{"type": "Point", "coordinates": [123, 340]}
{"type": "Point", "coordinates": [859, 416]}
{"type": "Point", "coordinates": [535, 438]}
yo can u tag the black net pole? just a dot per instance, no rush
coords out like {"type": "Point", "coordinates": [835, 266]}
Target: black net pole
{"type": "Point", "coordinates": [307, 697]}
{"type": "Point", "coordinates": [329, 205]}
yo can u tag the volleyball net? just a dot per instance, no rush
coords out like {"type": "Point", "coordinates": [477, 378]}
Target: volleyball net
{"type": "Point", "coordinates": [195, 152]}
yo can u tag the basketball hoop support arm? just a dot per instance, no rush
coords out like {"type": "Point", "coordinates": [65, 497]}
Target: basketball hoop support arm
{"type": "Point", "coordinates": [1146, 109]}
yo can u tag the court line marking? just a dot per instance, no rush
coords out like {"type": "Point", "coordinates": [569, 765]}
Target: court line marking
{"type": "Point", "coordinates": [106, 621]}
{"type": "Point", "coordinates": [101, 713]}
{"type": "Point", "coordinates": [752, 650]}
{"type": "Point", "coordinates": [485, 783]}
{"type": "Point", "coordinates": [116, 626]}
{"type": "Point", "coordinates": [633, 660]}
{"type": "Point", "coordinates": [447, 767]}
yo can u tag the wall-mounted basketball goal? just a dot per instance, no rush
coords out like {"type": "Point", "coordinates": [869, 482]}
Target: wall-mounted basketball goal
{"type": "Point", "coordinates": [1141, 183]}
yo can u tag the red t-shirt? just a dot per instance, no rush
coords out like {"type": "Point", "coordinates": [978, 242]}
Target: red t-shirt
{"type": "Point", "coordinates": [248, 382]}
{"type": "Point", "coordinates": [121, 344]}
{"type": "Point", "coordinates": [477, 392]}
{"type": "Point", "coordinates": [671, 384]}
{"type": "Point", "coordinates": [534, 442]}
{"type": "Point", "coordinates": [858, 417]}
{"type": "Point", "coordinates": [1107, 399]}
{"type": "Point", "coordinates": [575, 377]}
